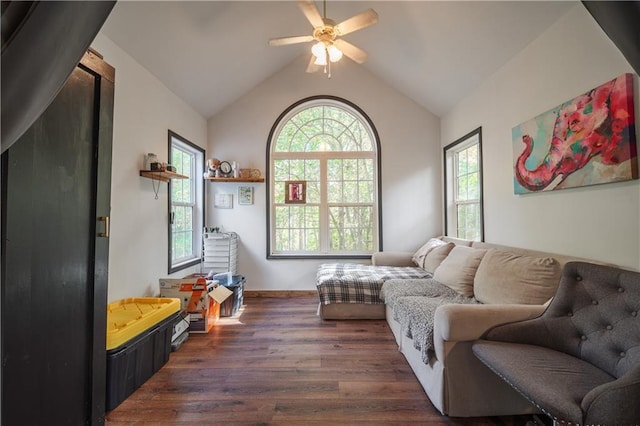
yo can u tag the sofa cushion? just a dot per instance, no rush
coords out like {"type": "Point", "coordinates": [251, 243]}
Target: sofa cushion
{"type": "Point", "coordinates": [420, 255]}
{"type": "Point", "coordinates": [458, 270]}
{"type": "Point", "coordinates": [504, 277]}
{"type": "Point", "coordinates": [555, 380]}
{"type": "Point", "coordinates": [436, 256]}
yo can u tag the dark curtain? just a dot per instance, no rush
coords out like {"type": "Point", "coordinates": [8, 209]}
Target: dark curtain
{"type": "Point", "coordinates": [620, 20]}
{"type": "Point", "coordinates": [42, 42]}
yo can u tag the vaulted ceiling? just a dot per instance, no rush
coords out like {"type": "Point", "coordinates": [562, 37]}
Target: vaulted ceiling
{"type": "Point", "coordinates": [212, 52]}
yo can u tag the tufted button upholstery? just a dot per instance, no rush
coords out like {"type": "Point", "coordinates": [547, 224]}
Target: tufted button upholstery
{"type": "Point", "coordinates": [593, 318]}
{"type": "Point", "coordinates": [590, 305]}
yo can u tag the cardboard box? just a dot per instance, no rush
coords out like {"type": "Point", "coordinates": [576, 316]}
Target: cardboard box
{"type": "Point", "coordinates": [194, 297]}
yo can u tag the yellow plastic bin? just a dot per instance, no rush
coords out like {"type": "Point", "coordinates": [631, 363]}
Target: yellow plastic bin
{"type": "Point", "coordinates": [138, 343]}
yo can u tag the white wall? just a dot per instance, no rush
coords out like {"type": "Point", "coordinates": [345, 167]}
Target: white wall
{"type": "Point", "coordinates": [409, 138]}
{"type": "Point", "coordinates": [144, 111]}
{"type": "Point", "coordinates": [597, 222]}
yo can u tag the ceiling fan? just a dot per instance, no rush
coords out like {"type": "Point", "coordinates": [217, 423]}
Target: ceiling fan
{"type": "Point", "coordinates": [329, 47]}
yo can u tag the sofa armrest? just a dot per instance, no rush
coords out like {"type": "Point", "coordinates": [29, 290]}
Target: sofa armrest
{"type": "Point", "coordinates": [615, 402]}
{"type": "Point", "coordinates": [392, 258]}
{"type": "Point", "coordinates": [458, 323]}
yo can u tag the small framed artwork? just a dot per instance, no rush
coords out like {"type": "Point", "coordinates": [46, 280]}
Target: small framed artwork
{"type": "Point", "coordinates": [295, 192]}
{"type": "Point", "coordinates": [223, 201]}
{"type": "Point", "coordinates": [245, 195]}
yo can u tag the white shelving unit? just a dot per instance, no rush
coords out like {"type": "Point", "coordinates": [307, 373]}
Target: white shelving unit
{"type": "Point", "coordinates": [220, 252]}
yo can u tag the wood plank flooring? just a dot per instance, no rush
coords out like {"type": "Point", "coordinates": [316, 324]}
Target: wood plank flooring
{"type": "Point", "coordinates": [278, 363]}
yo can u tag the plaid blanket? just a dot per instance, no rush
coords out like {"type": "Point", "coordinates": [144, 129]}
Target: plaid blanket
{"type": "Point", "coordinates": [354, 283]}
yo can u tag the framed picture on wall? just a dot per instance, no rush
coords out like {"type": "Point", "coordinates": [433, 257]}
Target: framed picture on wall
{"type": "Point", "coordinates": [245, 195]}
{"type": "Point", "coordinates": [223, 201]}
{"type": "Point", "coordinates": [295, 192]}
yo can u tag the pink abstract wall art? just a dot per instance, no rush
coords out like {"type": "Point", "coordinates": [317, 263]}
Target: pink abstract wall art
{"type": "Point", "coordinates": [588, 140]}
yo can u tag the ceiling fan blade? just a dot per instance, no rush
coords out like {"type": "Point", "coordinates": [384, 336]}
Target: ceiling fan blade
{"type": "Point", "coordinates": [310, 10]}
{"type": "Point", "coordinates": [281, 41]}
{"type": "Point", "coordinates": [357, 22]}
{"type": "Point", "coordinates": [312, 67]}
{"type": "Point", "coordinates": [353, 52]}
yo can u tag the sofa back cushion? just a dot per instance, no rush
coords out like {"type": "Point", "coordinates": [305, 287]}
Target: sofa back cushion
{"type": "Point", "coordinates": [458, 270]}
{"type": "Point", "coordinates": [419, 256]}
{"type": "Point", "coordinates": [436, 256]}
{"type": "Point", "coordinates": [505, 277]}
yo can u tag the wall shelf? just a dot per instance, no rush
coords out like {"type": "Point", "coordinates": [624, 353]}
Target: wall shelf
{"type": "Point", "coordinates": [164, 176]}
{"type": "Point", "coordinates": [231, 179]}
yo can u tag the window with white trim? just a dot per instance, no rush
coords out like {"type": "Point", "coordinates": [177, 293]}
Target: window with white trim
{"type": "Point", "coordinates": [463, 187]}
{"type": "Point", "coordinates": [186, 203]}
{"type": "Point", "coordinates": [331, 147]}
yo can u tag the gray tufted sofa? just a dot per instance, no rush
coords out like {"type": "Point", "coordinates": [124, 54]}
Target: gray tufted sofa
{"type": "Point", "coordinates": [579, 362]}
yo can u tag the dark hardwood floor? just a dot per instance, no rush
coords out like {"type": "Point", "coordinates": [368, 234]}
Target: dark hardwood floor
{"type": "Point", "coordinates": [279, 363]}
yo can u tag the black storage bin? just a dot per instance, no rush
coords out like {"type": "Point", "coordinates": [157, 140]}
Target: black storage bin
{"type": "Point", "coordinates": [230, 306]}
{"type": "Point", "coordinates": [134, 362]}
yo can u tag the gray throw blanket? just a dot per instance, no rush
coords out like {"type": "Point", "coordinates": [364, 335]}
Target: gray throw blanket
{"type": "Point", "coordinates": [414, 304]}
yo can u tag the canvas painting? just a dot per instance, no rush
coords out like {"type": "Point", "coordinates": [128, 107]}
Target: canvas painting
{"type": "Point", "coordinates": [588, 140]}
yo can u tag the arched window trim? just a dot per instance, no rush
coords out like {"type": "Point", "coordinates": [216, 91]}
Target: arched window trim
{"type": "Point", "coordinates": [275, 129]}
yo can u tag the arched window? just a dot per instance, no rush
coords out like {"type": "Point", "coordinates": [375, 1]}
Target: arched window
{"type": "Point", "coordinates": [324, 181]}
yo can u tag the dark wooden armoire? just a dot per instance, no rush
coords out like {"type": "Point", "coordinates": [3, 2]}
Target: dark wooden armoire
{"type": "Point", "coordinates": [56, 183]}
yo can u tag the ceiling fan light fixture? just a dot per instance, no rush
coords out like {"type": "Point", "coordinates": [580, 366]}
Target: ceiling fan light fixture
{"type": "Point", "coordinates": [335, 54]}
{"type": "Point", "coordinates": [318, 49]}
{"type": "Point", "coordinates": [328, 46]}
{"type": "Point", "coordinates": [321, 59]}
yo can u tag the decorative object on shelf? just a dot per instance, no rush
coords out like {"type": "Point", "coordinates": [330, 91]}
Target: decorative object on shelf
{"type": "Point", "coordinates": [213, 164]}
{"type": "Point", "coordinates": [245, 195]}
{"type": "Point", "coordinates": [235, 168]}
{"type": "Point", "coordinates": [156, 167]}
{"type": "Point", "coordinates": [149, 159]}
{"type": "Point", "coordinates": [223, 201]}
{"type": "Point", "coordinates": [225, 169]}
{"type": "Point", "coordinates": [587, 140]}
{"type": "Point", "coordinates": [295, 192]}
{"type": "Point", "coordinates": [245, 173]}
{"type": "Point", "coordinates": [255, 173]}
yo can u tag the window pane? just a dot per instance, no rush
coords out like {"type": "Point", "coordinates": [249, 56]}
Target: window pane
{"type": "Point", "coordinates": [341, 189]}
{"type": "Point", "coordinates": [297, 228]}
{"type": "Point", "coordinates": [351, 228]}
{"type": "Point", "coordinates": [182, 232]}
{"type": "Point", "coordinates": [463, 190]}
{"type": "Point", "coordinates": [462, 163]}
{"type": "Point", "coordinates": [185, 203]}
{"type": "Point", "coordinates": [472, 156]}
{"type": "Point", "coordinates": [322, 129]}
{"type": "Point", "coordinates": [473, 186]}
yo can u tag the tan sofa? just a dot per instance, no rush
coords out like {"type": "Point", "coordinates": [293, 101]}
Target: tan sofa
{"type": "Point", "coordinates": [512, 284]}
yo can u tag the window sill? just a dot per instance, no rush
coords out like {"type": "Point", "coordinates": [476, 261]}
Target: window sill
{"type": "Point", "coordinates": [318, 256]}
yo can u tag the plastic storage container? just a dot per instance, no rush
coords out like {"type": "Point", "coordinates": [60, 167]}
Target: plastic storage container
{"type": "Point", "coordinates": [138, 343]}
{"type": "Point", "coordinates": [231, 306]}
{"type": "Point", "coordinates": [220, 252]}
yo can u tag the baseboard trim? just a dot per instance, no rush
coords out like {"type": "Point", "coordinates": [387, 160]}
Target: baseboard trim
{"type": "Point", "coordinates": [280, 293]}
